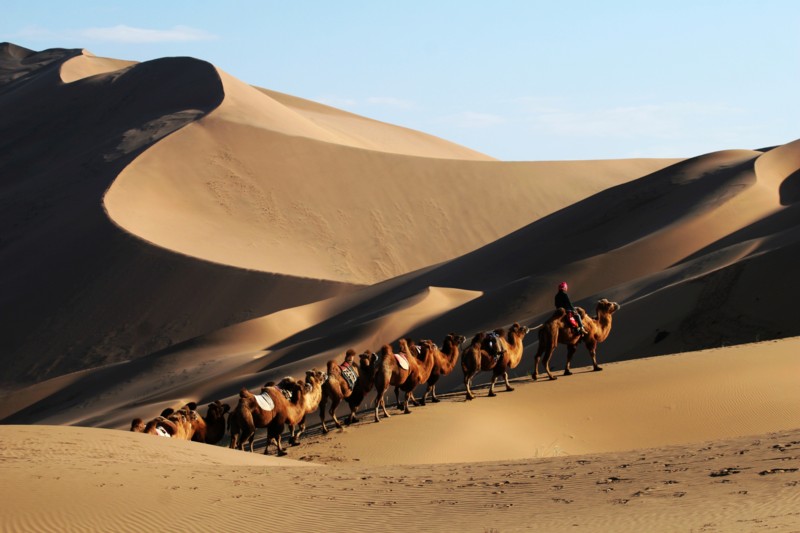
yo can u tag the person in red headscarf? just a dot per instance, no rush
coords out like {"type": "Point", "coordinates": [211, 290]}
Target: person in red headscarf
{"type": "Point", "coordinates": [562, 300]}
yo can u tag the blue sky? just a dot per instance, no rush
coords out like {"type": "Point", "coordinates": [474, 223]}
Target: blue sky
{"type": "Point", "coordinates": [518, 80]}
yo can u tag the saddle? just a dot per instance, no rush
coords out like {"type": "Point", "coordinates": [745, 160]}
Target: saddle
{"type": "Point", "coordinates": [491, 344]}
{"type": "Point", "coordinates": [349, 374]}
{"type": "Point", "coordinates": [401, 360]}
{"type": "Point", "coordinates": [265, 402]}
{"type": "Point", "coordinates": [571, 320]}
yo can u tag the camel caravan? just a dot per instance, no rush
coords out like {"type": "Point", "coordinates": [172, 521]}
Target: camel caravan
{"type": "Point", "coordinates": [287, 404]}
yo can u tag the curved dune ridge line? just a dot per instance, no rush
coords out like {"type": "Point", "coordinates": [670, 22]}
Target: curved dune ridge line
{"type": "Point", "coordinates": [87, 65]}
{"type": "Point", "coordinates": [266, 183]}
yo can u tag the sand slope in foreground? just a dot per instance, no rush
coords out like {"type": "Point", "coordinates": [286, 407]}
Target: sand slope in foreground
{"type": "Point", "coordinates": [728, 479]}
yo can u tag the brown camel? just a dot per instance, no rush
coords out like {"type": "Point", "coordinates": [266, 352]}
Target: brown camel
{"type": "Point", "coordinates": [556, 331]}
{"type": "Point", "coordinates": [211, 428]}
{"type": "Point", "coordinates": [476, 358]}
{"type": "Point", "coordinates": [249, 414]}
{"type": "Point", "coordinates": [444, 361]}
{"type": "Point", "coordinates": [290, 410]}
{"type": "Point", "coordinates": [337, 388]}
{"type": "Point", "coordinates": [420, 365]}
{"type": "Point", "coordinates": [311, 399]}
{"type": "Point", "coordinates": [178, 424]}
{"type": "Point", "coordinates": [215, 421]}
{"type": "Point", "coordinates": [388, 372]}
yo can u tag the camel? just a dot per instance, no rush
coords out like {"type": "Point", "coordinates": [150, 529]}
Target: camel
{"type": "Point", "coordinates": [444, 361]}
{"type": "Point", "coordinates": [311, 400]}
{"type": "Point", "coordinates": [556, 331]}
{"type": "Point", "coordinates": [476, 359]}
{"type": "Point", "coordinates": [388, 372]}
{"type": "Point", "coordinates": [249, 415]}
{"type": "Point", "coordinates": [336, 387]}
{"type": "Point", "coordinates": [290, 409]}
{"type": "Point", "coordinates": [211, 428]}
{"type": "Point", "coordinates": [178, 424]}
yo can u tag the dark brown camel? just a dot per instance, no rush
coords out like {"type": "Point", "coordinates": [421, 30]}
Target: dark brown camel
{"type": "Point", "coordinates": [336, 387]}
{"type": "Point", "coordinates": [444, 361]}
{"type": "Point", "coordinates": [476, 359]}
{"type": "Point", "coordinates": [215, 422]}
{"type": "Point", "coordinates": [556, 331]}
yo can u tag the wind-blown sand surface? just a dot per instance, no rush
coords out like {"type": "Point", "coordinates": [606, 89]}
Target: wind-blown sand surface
{"type": "Point", "coordinates": [171, 234]}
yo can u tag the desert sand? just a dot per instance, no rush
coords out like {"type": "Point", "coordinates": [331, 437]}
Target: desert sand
{"type": "Point", "coordinates": [172, 234]}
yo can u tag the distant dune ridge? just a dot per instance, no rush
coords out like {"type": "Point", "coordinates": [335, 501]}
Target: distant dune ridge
{"type": "Point", "coordinates": [173, 234]}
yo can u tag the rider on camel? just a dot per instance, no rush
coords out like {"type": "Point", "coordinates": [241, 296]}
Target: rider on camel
{"type": "Point", "coordinates": [562, 300]}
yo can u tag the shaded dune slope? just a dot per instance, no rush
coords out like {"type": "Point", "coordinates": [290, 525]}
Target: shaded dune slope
{"type": "Point", "coordinates": [84, 292]}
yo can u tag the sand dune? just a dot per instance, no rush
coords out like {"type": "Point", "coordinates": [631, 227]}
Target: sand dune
{"type": "Point", "coordinates": [172, 234]}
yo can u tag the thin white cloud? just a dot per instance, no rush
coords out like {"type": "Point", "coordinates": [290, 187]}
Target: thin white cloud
{"type": "Point", "coordinates": [128, 34]}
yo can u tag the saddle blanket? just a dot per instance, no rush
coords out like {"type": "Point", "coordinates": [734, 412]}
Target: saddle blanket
{"type": "Point", "coordinates": [401, 360]}
{"type": "Point", "coordinates": [349, 374]}
{"type": "Point", "coordinates": [264, 401]}
{"type": "Point", "coordinates": [162, 432]}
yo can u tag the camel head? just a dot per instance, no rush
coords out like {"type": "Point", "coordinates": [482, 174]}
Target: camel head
{"type": "Point", "coordinates": [137, 425]}
{"type": "Point", "coordinates": [516, 329]}
{"type": "Point", "coordinates": [350, 356]}
{"type": "Point", "coordinates": [216, 410]}
{"type": "Point", "coordinates": [454, 339]}
{"type": "Point", "coordinates": [314, 377]}
{"type": "Point", "coordinates": [604, 307]}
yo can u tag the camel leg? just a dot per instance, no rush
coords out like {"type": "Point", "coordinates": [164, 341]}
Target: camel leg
{"type": "Point", "coordinates": [281, 451]}
{"type": "Point", "coordinates": [509, 388]}
{"type": "Point", "coordinates": [468, 385]}
{"type": "Point", "coordinates": [536, 360]}
{"type": "Point", "coordinates": [434, 399]}
{"type": "Point", "coordinates": [593, 353]}
{"type": "Point", "coordinates": [425, 394]}
{"type": "Point", "coordinates": [570, 352]}
{"type": "Point", "coordinates": [335, 401]}
{"type": "Point", "coordinates": [406, 410]}
{"type": "Point", "coordinates": [397, 397]}
{"type": "Point", "coordinates": [491, 386]}
{"type": "Point", "coordinates": [322, 404]}
{"type": "Point", "coordinates": [380, 403]}
{"type": "Point", "coordinates": [547, 363]}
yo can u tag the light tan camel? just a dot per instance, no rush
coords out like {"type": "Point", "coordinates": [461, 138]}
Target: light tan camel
{"type": "Point", "coordinates": [476, 358]}
{"type": "Point", "coordinates": [444, 361]}
{"type": "Point", "coordinates": [556, 331]}
{"type": "Point", "coordinates": [388, 372]}
{"type": "Point", "coordinates": [336, 387]}
{"type": "Point", "coordinates": [311, 399]}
